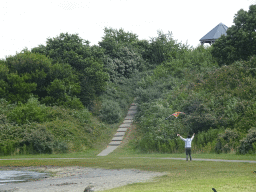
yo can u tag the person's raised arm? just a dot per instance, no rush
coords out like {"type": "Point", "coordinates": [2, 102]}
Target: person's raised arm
{"type": "Point", "coordinates": [180, 137]}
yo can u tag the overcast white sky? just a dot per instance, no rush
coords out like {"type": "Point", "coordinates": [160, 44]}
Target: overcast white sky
{"type": "Point", "coordinates": [28, 23]}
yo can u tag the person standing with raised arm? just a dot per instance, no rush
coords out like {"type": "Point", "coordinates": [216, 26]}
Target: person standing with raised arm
{"type": "Point", "coordinates": [188, 142]}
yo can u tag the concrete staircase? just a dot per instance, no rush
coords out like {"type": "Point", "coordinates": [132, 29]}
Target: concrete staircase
{"type": "Point", "coordinates": [118, 137]}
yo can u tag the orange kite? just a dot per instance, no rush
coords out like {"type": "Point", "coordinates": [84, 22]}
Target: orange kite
{"type": "Point", "coordinates": [176, 114]}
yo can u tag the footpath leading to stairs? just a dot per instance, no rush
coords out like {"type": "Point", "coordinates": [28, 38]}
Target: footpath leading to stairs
{"type": "Point", "coordinates": [118, 137]}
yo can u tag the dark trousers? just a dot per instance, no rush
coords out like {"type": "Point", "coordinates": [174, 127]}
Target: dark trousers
{"type": "Point", "coordinates": [188, 153]}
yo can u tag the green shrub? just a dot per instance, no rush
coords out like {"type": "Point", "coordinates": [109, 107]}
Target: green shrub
{"type": "Point", "coordinates": [205, 139]}
{"type": "Point", "coordinates": [227, 141]}
{"type": "Point", "coordinates": [126, 63]}
{"type": "Point", "coordinates": [163, 48]}
{"type": "Point", "coordinates": [32, 111]}
{"type": "Point", "coordinates": [60, 147]}
{"type": "Point", "coordinates": [3, 119]}
{"type": "Point", "coordinates": [72, 103]}
{"type": "Point", "coordinates": [110, 112]}
{"type": "Point", "coordinates": [3, 106]}
{"type": "Point", "coordinates": [8, 148]}
{"type": "Point", "coordinates": [37, 136]}
{"type": "Point", "coordinates": [150, 89]}
{"type": "Point", "coordinates": [248, 144]}
{"type": "Point", "coordinates": [25, 139]}
{"type": "Point", "coordinates": [84, 116]}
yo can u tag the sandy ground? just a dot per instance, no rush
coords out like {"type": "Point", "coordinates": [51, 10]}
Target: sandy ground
{"type": "Point", "coordinates": [65, 179]}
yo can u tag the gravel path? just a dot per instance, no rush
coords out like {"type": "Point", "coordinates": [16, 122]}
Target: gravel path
{"type": "Point", "coordinates": [78, 178]}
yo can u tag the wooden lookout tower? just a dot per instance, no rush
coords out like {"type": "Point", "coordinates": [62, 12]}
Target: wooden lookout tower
{"type": "Point", "coordinates": [214, 34]}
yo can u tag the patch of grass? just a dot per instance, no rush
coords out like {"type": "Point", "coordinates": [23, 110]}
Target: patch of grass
{"type": "Point", "coordinates": [180, 183]}
{"type": "Point", "coordinates": [128, 153]}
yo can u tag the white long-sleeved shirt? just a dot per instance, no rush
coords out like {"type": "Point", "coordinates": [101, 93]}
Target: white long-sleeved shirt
{"type": "Point", "coordinates": [188, 141]}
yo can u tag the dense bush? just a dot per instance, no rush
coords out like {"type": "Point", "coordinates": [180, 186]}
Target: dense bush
{"type": "Point", "coordinates": [248, 144]}
{"type": "Point", "coordinates": [163, 48]}
{"type": "Point", "coordinates": [32, 127]}
{"type": "Point", "coordinates": [110, 112]}
{"type": "Point", "coordinates": [37, 138]}
{"type": "Point", "coordinates": [205, 141]}
{"type": "Point", "coordinates": [29, 138]}
{"type": "Point", "coordinates": [83, 115]}
{"type": "Point", "coordinates": [114, 39]}
{"type": "Point", "coordinates": [122, 54]}
{"type": "Point", "coordinates": [125, 64]}
{"type": "Point", "coordinates": [150, 88]}
{"type": "Point", "coordinates": [29, 112]}
{"type": "Point", "coordinates": [227, 142]}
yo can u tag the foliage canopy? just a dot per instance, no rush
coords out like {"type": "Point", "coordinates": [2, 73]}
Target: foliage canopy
{"type": "Point", "coordinates": [240, 41]}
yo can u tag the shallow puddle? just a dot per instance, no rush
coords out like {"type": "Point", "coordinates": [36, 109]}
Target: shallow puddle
{"type": "Point", "coordinates": [19, 176]}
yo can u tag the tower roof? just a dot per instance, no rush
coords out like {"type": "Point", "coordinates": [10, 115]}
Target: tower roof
{"type": "Point", "coordinates": [214, 34]}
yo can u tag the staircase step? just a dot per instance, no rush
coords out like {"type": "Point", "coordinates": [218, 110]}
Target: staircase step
{"type": "Point", "coordinates": [131, 112]}
{"type": "Point", "coordinates": [126, 125]}
{"type": "Point", "coordinates": [133, 108]}
{"type": "Point", "coordinates": [119, 134]}
{"type": "Point", "coordinates": [127, 121]}
{"type": "Point", "coordinates": [115, 143]}
{"type": "Point", "coordinates": [117, 138]}
{"type": "Point", "coordinates": [122, 129]}
{"type": "Point", "coordinates": [129, 117]}
{"type": "Point", "coordinates": [108, 150]}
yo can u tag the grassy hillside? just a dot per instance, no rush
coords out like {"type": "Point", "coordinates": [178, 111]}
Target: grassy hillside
{"type": "Point", "coordinates": [35, 128]}
{"type": "Point", "coordinates": [32, 127]}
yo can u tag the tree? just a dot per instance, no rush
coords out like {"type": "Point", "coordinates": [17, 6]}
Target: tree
{"type": "Point", "coordinates": [126, 63]}
{"type": "Point", "coordinates": [68, 48]}
{"type": "Point", "coordinates": [86, 60]}
{"type": "Point", "coordinates": [19, 88]}
{"type": "Point", "coordinates": [34, 65]}
{"type": "Point", "coordinates": [94, 81]}
{"type": "Point", "coordinates": [240, 41]}
{"type": "Point", "coordinates": [122, 56]}
{"type": "Point", "coordinates": [29, 73]}
{"type": "Point", "coordinates": [114, 39]}
{"type": "Point", "coordinates": [163, 48]}
{"type": "Point", "coordinates": [3, 77]}
{"type": "Point", "coordinates": [40, 49]}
